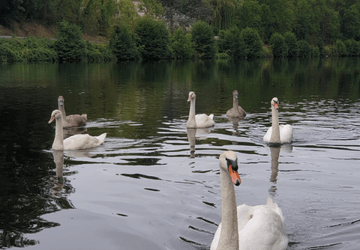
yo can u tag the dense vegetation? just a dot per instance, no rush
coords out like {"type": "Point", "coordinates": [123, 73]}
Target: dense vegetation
{"type": "Point", "coordinates": [184, 29]}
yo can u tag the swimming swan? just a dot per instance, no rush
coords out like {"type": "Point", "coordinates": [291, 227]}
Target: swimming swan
{"type": "Point", "coordinates": [277, 133]}
{"type": "Point", "coordinates": [246, 227]}
{"type": "Point", "coordinates": [200, 120]}
{"type": "Point", "coordinates": [236, 110]}
{"type": "Point", "coordinates": [70, 120]}
{"type": "Point", "coordinates": [75, 142]}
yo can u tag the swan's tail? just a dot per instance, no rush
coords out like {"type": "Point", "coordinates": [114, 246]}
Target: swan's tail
{"type": "Point", "coordinates": [211, 116]}
{"type": "Point", "coordinates": [84, 116]}
{"type": "Point", "coordinates": [275, 207]}
{"type": "Point", "coordinates": [101, 138]}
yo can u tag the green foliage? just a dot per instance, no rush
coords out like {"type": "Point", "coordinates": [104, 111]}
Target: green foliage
{"type": "Point", "coordinates": [340, 48]}
{"type": "Point", "coordinates": [153, 39]}
{"type": "Point", "coordinates": [27, 50]}
{"type": "Point", "coordinates": [249, 15]}
{"type": "Point", "coordinates": [122, 44]}
{"type": "Point", "coordinates": [203, 39]}
{"type": "Point", "coordinates": [352, 47]}
{"type": "Point", "coordinates": [229, 42]}
{"type": "Point", "coordinates": [98, 52]}
{"type": "Point", "coordinates": [253, 43]}
{"type": "Point", "coordinates": [69, 44]}
{"type": "Point", "coordinates": [278, 45]}
{"type": "Point", "coordinates": [224, 14]}
{"type": "Point", "coordinates": [314, 51]}
{"type": "Point", "coordinates": [291, 44]}
{"type": "Point", "coordinates": [351, 20]}
{"type": "Point", "coordinates": [181, 45]}
{"type": "Point", "coordinates": [304, 48]}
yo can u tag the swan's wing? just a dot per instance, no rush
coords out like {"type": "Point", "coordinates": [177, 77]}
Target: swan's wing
{"type": "Point", "coordinates": [285, 133]}
{"type": "Point", "coordinates": [265, 230]}
{"type": "Point", "coordinates": [76, 120]}
{"type": "Point", "coordinates": [204, 121]}
{"type": "Point", "coordinates": [81, 141]}
{"type": "Point", "coordinates": [215, 241]}
{"type": "Point", "coordinates": [267, 136]}
{"type": "Point", "coordinates": [241, 111]}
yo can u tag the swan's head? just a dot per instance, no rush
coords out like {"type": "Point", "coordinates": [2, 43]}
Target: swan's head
{"type": "Point", "coordinates": [61, 100]}
{"type": "Point", "coordinates": [275, 102]}
{"type": "Point", "coordinates": [235, 94]}
{"type": "Point", "coordinates": [56, 114]}
{"type": "Point", "coordinates": [229, 163]}
{"type": "Point", "coordinates": [191, 96]}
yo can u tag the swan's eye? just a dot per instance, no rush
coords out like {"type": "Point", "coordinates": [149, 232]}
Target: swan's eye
{"type": "Point", "coordinates": [232, 163]}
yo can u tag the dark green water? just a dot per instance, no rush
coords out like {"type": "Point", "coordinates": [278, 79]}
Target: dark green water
{"type": "Point", "coordinates": [144, 189]}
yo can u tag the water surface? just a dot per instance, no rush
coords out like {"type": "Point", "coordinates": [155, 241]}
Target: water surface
{"type": "Point", "coordinates": [156, 185]}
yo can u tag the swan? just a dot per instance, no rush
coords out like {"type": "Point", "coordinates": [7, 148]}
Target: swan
{"type": "Point", "coordinates": [200, 120]}
{"type": "Point", "coordinates": [236, 110]}
{"type": "Point", "coordinates": [278, 134]}
{"type": "Point", "coordinates": [70, 120]}
{"type": "Point", "coordinates": [246, 227]}
{"type": "Point", "coordinates": [75, 142]}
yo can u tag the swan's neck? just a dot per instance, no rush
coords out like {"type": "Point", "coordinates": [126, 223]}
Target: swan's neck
{"type": "Point", "coordinates": [62, 110]}
{"type": "Point", "coordinates": [58, 143]}
{"type": "Point", "coordinates": [275, 135]}
{"type": "Point", "coordinates": [235, 104]}
{"type": "Point", "coordinates": [191, 121]}
{"type": "Point", "coordinates": [229, 235]}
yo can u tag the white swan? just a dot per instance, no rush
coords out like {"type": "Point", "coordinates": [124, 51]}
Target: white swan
{"type": "Point", "coordinates": [246, 227]}
{"type": "Point", "coordinates": [75, 142]}
{"type": "Point", "coordinates": [200, 120]}
{"type": "Point", "coordinates": [277, 133]}
{"type": "Point", "coordinates": [70, 120]}
{"type": "Point", "coordinates": [236, 110]}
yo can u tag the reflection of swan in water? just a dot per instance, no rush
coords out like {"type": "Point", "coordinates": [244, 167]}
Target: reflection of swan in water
{"type": "Point", "coordinates": [275, 154]}
{"type": "Point", "coordinates": [59, 180]}
{"type": "Point", "coordinates": [235, 121]}
{"type": "Point", "coordinates": [245, 227]}
{"type": "Point", "coordinates": [191, 135]}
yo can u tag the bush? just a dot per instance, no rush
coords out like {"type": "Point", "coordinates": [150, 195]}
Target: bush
{"type": "Point", "coordinates": [181, 45]}
{"type": "Point", "coordinates": [203, 40]}
{"type": "Point", "coordinates": [278, 45]}
{"type": "Point", "coordinates": [304, 48]}
{"type": "Point", "coordinates": [98, 52]}
{"type": "Point", "coordinates": [341, 48]}
{"type": "Point", "coordinates": [291, 44]}
{"type": "Point", "coordinates": [153, 39]}
{"type": "Point", "coordinates": [122, 44]}
{"type": "Point", "coordinates": [352, 47]}
{"type": "Point", "coordinates": [69, 44]}
{"type": "Point", "coordinates": [253, 43]}
{"type": "Point", "coordinates": [315, 52]}
{"type": "Point", "coordinates": [229, 42]}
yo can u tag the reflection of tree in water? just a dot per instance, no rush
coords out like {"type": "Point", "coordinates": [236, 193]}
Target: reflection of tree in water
{"type": "Point", "coordinates": [26, 195]}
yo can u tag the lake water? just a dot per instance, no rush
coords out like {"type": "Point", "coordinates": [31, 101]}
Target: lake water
{"type": "Point", "coordinates": [155, 185]}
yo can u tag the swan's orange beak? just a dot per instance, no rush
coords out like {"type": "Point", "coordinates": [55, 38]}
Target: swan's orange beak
{"type": "Point", "coordinates": [276, 105]}
{"type": "Point", "coordinates": [234, 176]}
{"type": "Point", "coordinates": [51, 119]}
{"type": "Point", "coordinates": [189, 99]}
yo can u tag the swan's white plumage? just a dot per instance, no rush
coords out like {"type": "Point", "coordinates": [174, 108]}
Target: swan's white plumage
{"type": "Point", "coordinates": [199, 120]}
{"type": "Point", "coordinates": [277, 133]}
{"type": "Point", "coordinates": [75, 142]}
{"type": "Point", "coordinates": [259, 227]}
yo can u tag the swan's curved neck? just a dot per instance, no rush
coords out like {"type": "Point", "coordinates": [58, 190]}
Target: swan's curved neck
{"type": "Point", "coordinates": [62, 109]}
{"type": "Point", "coordinates": [275, 134]}
{"type": "Point", "coordinates": [229, 235]}
{"type": "Point", "coordinates": [191, 121]}
{"type": "Point", "coordinates": [58, 143]}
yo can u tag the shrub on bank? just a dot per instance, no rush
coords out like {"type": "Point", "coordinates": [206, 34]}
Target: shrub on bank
{"type": "Point", "coordinates": [304, 48]}
{"type": "Point", "coordinates": [253, 43]}
{"type": "Point", "coordinates": [278, 45]}
{"type": "Point", "coordinates": [291, 43]}
{"type": "Point", "coordinates": [69, 44]}
{"type": "Point", "coordinates": [229, 42]}
{"type": "Point", "coordinates": [203, 39]}
{"type": "Point", "coordinates": [181, 45]}
{"type": "Point", "coordinates": [122, 44]}
{"type": "Point", "coordinates": [98, 52]}
{"type": "Point", "coordinates": [341, 48]}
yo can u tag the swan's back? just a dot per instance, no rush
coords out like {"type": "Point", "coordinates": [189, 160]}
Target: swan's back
{"type": "Point", "coordinates": [285, 134]}
{"type": "Point", "coordinates": [204, 121]}
{"type": "Point", "coordinates": [83, 141]}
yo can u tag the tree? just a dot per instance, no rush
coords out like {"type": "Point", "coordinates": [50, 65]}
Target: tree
{"type": "Point", "coordinates": [122, 43]}
{"type": "Point", "coordinates": [304, 48]}
{"type": "Point", "coordinates": [291, 44]}
{"type": "Point", "coordinates": [203, 38]}
{"type": "Point", "coordinates": [181, 45]}
{"type": "Point", "coordinates": [351, 23]}
{"type": "Point", "coordinates": [224, 14]}
{"type": "Point", "coordinates": [253, 43]}
{"type": "Point", "coordinates": [69, 44]}
{"type": "Point", "coordinates": [229, 42]}
{"type": "Point", "coordinates": [249, 15]}
{"type": "Point", "coordinates": [153, 39]}
{"type": "Point", "coordinates": [278, 45]}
